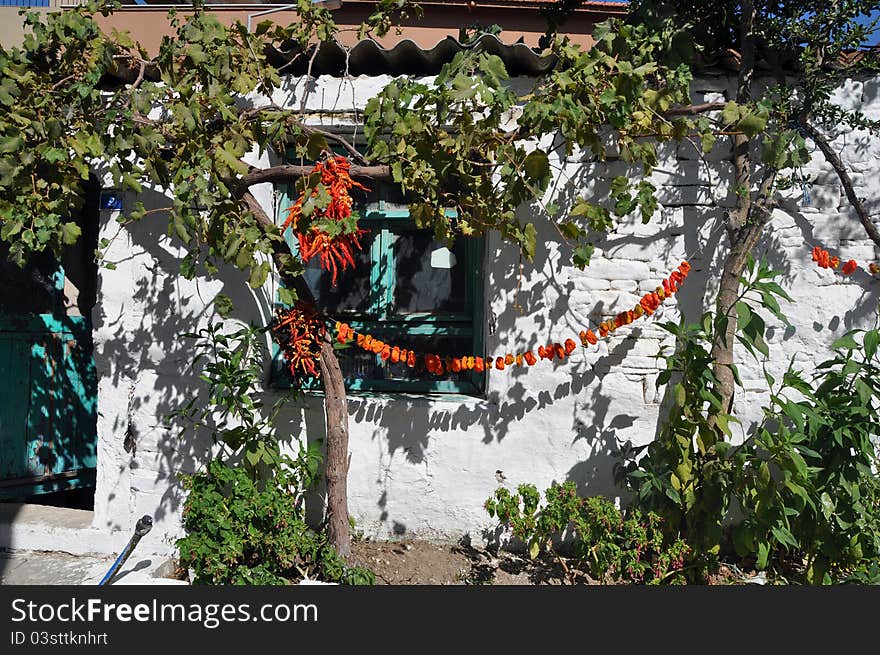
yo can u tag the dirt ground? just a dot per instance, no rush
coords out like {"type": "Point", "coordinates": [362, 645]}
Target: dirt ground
{"type": "Point", "coordinates": [424, 563]}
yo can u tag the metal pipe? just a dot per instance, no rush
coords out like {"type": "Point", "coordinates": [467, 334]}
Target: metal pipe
{"type": "Point", "coordinates": [141, 528]}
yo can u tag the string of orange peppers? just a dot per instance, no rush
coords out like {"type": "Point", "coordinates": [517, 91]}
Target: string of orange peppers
{"type": "Point", "coordinates": [437, 365]}
{"type": "Point", "coordinates": [336, 252]}
{"type": "Point", "coordinates": [823, 258]}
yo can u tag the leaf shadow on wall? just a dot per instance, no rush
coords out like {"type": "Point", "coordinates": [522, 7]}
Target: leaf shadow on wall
{"type": "Point", "coordinates": [140, 348]}
{"type": "Point", "coordinates": [406, 425]}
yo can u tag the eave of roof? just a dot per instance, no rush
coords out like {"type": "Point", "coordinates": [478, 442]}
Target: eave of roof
{"type": "Point", "coordinates": [407, 58]}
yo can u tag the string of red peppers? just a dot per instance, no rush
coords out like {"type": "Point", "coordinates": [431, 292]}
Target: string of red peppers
{"type": "Point", "coordinates": [437, 365]}
{"type": "Point", "coordinates": [825, 260]}
{"type": "Point", "coordinates": [336, 252]}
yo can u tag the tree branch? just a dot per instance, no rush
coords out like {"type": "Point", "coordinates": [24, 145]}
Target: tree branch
{"type": "Point", "coordinates": [289, 172]}
{"type": "Point", "coordinates": [692, 110]}
{"type": "Point", "coordinates": [843, 175]}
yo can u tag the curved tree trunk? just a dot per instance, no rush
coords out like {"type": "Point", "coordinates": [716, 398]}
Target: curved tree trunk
{"type": "Point", "coordinates": [336, 416]}
{"type": "Point", "coordinates": [335, 401]}
{"type": "Point", "coordinates": [742, 234]}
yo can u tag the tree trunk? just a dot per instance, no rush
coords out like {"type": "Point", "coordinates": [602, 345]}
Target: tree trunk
{"type": "Point", "coordinates": [336, 415]}
{"type": "Point", "coordinates": [740, 232]}
{"type": "Point", "coordinates": [335, 401]}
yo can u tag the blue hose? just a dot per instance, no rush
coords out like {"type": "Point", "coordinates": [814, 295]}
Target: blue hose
{"type": "Point", "coordinates": [143, 526]}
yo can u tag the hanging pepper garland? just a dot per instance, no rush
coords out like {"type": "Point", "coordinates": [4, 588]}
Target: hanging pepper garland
{"type": "Point", "coordinates": [300, 330]}
{"type": "Point", "coordinates": [824, 260]}
{"type": "Point", "coordinates": [336, 251]}
{"type": "Point", "coordinates": [438, 365]}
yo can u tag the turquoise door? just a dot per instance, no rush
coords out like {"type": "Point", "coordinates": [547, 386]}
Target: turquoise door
{"type": "Point", "coordinates": [48, 386]}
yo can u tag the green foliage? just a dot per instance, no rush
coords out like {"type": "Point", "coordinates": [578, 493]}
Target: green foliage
{"type": "Point", "coordinates": [242, 531]}
{"type": "Point", "coordinates": [231, 364]}
{"type": "Point", "coordinates": [244, 515]}
{"type": "Point", "coordinates": [605, 543]}
{"type": "Point", "coordinates": [452, 145]}
{"type": "Point", "coordinates": [801, 492]}
{"type": "Point", "coordinates": [806, 480]}
{"type": "Point", "coordinates": [686, 475]}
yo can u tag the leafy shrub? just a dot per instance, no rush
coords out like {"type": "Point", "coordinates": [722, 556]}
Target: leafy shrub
{"type": "Point", "coordinates": [243, 515]}
{"type": "Point", "coordinates": [604, 542]}
{"type": "Point", "coordinates": [231, 364]}
{"type": "Point", "coordinates": [807, 480]}
{"type": "Point", "coordinates": [242, 531]}
{"type": "Point", "coordinates": [686, 475]}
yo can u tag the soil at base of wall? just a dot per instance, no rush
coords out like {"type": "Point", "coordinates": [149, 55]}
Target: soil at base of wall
{"type": "Point", "coordinates": [415, 562]}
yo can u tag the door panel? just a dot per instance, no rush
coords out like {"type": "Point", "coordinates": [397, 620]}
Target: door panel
{"type": "Point", "coordinates": [48, 388]}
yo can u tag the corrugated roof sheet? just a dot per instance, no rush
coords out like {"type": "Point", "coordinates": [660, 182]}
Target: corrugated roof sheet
{"type": "Point", "coordinates": [369, 58]}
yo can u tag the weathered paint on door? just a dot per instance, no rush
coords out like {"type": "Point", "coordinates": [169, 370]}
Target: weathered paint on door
{"type": "Point", "coordinates": [48, 388]}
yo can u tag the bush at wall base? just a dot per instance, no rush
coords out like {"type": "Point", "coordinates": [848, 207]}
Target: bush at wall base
{"type": "Point", "coordinates": [253, 532]}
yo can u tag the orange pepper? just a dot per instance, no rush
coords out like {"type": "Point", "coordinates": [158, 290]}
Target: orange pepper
{"type": "Point", "coordinates": [570, 345]}
{"type": "Point", "coordinates": [499, 363]}
{"type": "Point", "coordinates": [478, 364]}
{"type": "Point", "coordinates": [560, 351]}
{"type": "Point", "coordinates": [508, 359]}
{"type": "Point", "coordinates": [530, 358]}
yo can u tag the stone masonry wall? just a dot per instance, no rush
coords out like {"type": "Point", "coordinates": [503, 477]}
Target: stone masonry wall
{"type": "Point", "coordinates": [423, 466]}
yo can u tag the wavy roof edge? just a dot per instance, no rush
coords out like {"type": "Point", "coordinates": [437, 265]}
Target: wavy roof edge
{"type": "Point", "coordinates": [367, 57]}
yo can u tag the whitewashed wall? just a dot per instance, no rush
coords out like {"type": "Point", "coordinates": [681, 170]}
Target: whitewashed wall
{"type": "Point", "coordinates": [423, 466]}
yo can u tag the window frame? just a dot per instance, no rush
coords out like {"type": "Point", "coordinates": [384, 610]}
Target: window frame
{"type": "Point", "coordinates": [384, 324]}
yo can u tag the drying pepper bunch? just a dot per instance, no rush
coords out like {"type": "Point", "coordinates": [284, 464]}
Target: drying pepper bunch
{"type": "Point", "coordinates": [825, 260]}
{"type": "Point", "coordinates": [336, 251]}
{"type": "Point", "coordinates": [299, 332]}
{"type": "Point", "coordinates": [438, 365]}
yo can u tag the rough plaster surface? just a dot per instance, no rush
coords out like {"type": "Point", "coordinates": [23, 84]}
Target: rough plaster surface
{"type": "Point", "coordinates": [423, 466]}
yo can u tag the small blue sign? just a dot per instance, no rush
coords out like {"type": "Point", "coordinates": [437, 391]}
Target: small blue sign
{"type": "Point", "coordinates": [111, 200]}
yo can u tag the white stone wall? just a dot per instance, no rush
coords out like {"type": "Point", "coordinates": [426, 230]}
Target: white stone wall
{"type": "Point", "coordinates": [422, 466]}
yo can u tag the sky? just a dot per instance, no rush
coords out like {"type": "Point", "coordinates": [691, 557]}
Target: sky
{"type": "Point", "coordinates": [875, 38]}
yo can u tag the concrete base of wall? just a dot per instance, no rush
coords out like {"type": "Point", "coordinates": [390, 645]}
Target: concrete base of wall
{"type": "Point", "coordinates": [40, 527]}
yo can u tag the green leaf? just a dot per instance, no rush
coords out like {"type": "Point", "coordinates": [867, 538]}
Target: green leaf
{"type": "Point", "coordinates": [871, 340]}
{"type": "Point", "coordinates": [70, 233]}
{"type": "Point", "coordinates": [752, 125]}
{"type": "Point", "coordinates": [536, 166]}
{"type": "Point", "coordinates": [784, 536]}
{"type": "Point", "coordinates": [10, 143]}
{"type": "Point", "coordinates": [286, 296]}
{"type": "Point", "coordinates": [534, 549]}
{"type": "Point", "coordinates": [223, 305]}
{"type": "Point", "coordinates": [529, 243]}
{"type": "Point", "coordinates": [846, 342]}
{"type": "Point", "coordinates": [582, 255]}
{"type": "Point", "coordinates": [258, 275]}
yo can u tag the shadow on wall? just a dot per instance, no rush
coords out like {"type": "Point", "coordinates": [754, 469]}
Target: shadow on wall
{"type": "Point", "coordinates": [141, 353]}
{"type": "Point", "coordinates": [538, 311]}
